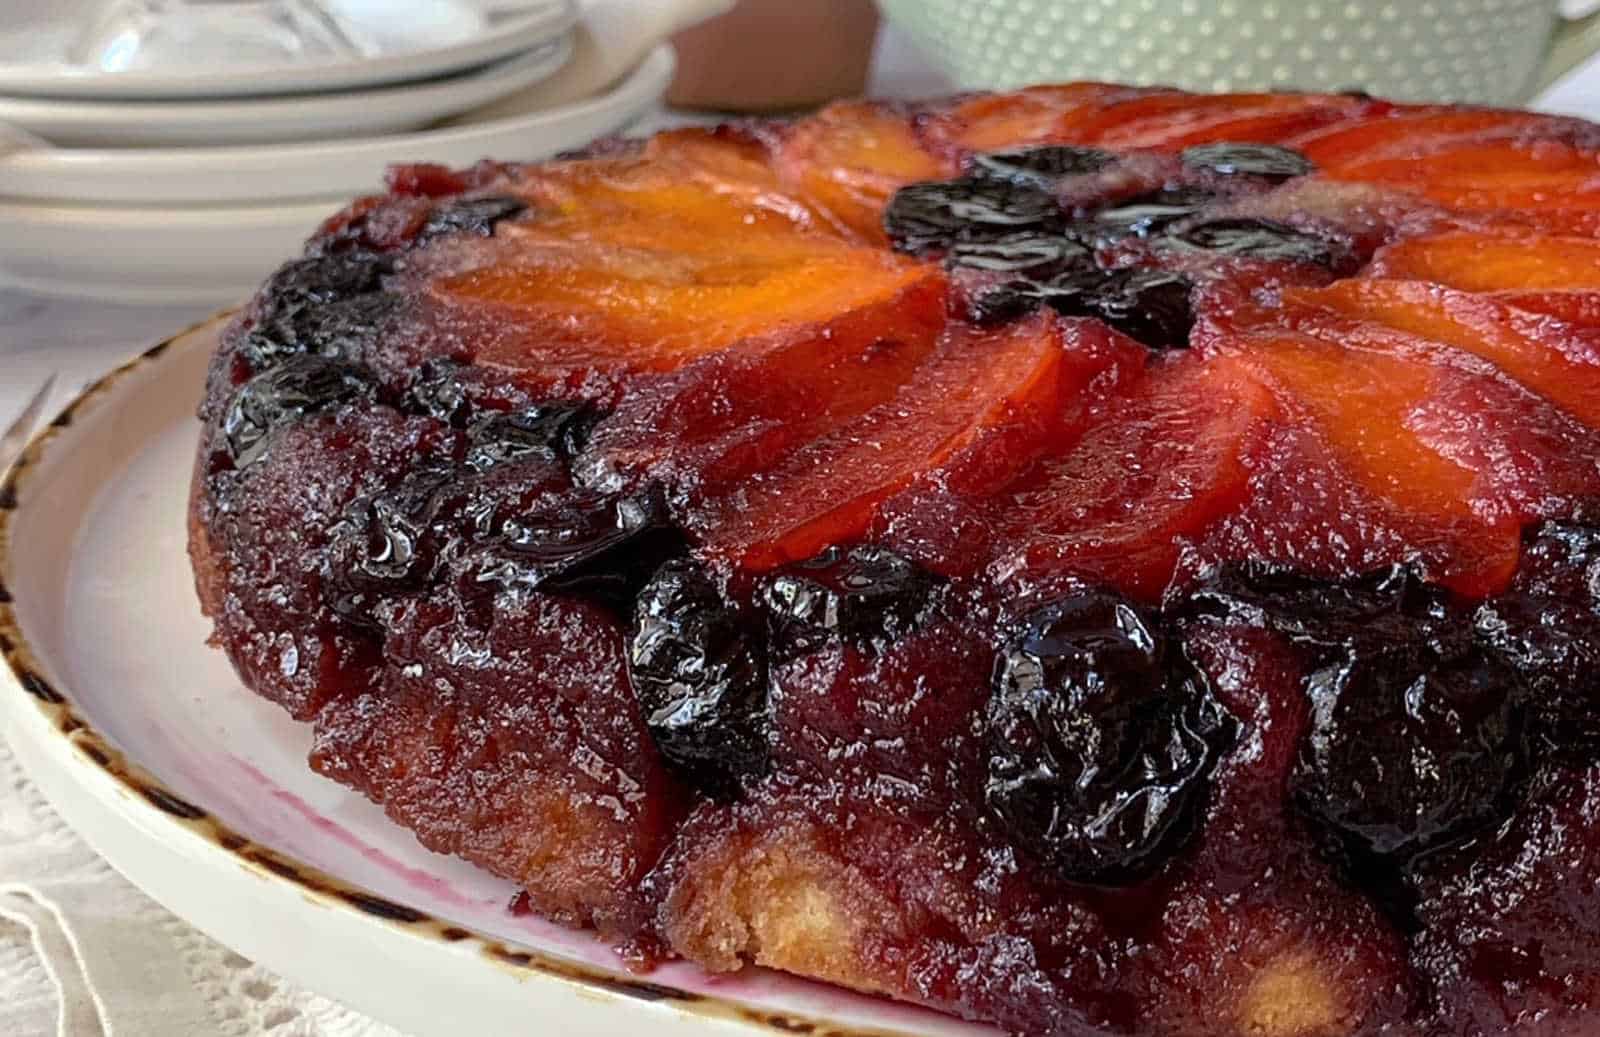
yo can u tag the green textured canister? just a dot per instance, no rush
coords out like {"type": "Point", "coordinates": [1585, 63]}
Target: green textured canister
{"type": "Point", "coordinates": [1492, 51]}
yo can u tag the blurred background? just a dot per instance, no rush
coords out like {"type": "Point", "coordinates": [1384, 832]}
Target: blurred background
{"type": "Point", "coordinates": [159, 157]}
{"type": "Point", "coordinates": [174, 151]}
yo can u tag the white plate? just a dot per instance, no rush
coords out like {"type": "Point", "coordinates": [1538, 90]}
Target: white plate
{"type": "Point", "coordinates": [188, 176]}
{"type": "Point", "coordinates": [151, 255]}
{"type": "Point", "coordinates": [386, 109]}
{"type": "Point", "coordinates": [32, 62]}
{"type": "Point", "coordinates": [217, 254]}
{"type": "Point", "coordinates": [199, 792]}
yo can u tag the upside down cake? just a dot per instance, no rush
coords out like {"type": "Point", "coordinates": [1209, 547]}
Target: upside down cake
{"type": "Point", "coordinates": [1090, 559]}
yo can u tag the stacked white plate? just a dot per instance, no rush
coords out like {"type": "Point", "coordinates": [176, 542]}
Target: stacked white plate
{"type": "Point", "coordinates": [78, 77]}
{"type": "Point", "coordinates": [176, 184]}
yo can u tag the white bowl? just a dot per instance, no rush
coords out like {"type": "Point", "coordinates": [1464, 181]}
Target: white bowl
{"type": "Point", "coordinates": [232, 175]}
{"type": "Point", "coordinates": [150, 255]}
{"type": "Point", "coordinates": [382, 109]}
{"type": "Point", "coordinates": [33, 55]}
{"type": "Point", "coordinates": [171, 252]}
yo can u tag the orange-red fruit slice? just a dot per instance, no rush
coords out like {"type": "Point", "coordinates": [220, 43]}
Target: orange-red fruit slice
{"type": "Point", "coordinates": [1480, 165]}
{"type": "Point", "coordinates": [645, 262]}
{"type": "Point", "coordinates": [983, 404]}
{"type": "Point", "coordinates": [1359, 401]}
{"type": "Point", "coordinates": [1555, 359]}
{"type": "Point", "coordinates": [648, 277]}
{"type": "Point", "coordinates": [1176, 120]}
{"type": "Point", "coordinates": [1034, 115]}
{"type": "Point", "coordinates": [1362, 404]}
{"type": "Point", "coordinates": [740, 410]}
{"type": "Point", "coordinates": [1579, 309]}
{"type": "Point", "coordinates": [1163, 464]}
{"type": "Point", "coordinates": [849, 158]}
{"type": "Point", "coordinates": [1413, 131]}
{"type": "Point", "coordinates": [1539, 181]}
{"type": "Point", "coordinates": [1478, 262]}
{"type": "Point", "coordinates": [1548, 184]}
{"type": "Point", "coordinates": [563, 317]}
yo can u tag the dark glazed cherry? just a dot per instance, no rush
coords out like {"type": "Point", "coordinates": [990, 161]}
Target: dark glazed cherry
{"type": "Point", "coordinates": [1101, 738]}
{"type": "Point", "coordinates": [437, 392]}
{"type": "Point", "coordinates": [387, 544]}
{"type": "Point", "coordinates": [932, 216]}
{"type": "Point", "coordinates": [996, 302]}
{"type": "Point", "coordinates": [1028, 253]}
{"type": "Point", "coordinates": [1555, 645]}
{"type": "Point", "coordinates": [316, 305]}
{"type": "Point", "coordinates": [1416, 727]}
{"type": "Point", "coordinates": [1233, 159]}
{"type": "Point", "coordinates": [1561, 559]}
{"type": "Point", "coordinates": [323, 279]}
{"type": "Point", "coordinates": [700, 677]}
{"type": "Point", "coordinates": [1412, 746]}
{"type": "Point", "coordinates": [1259, 239]}
{"type": "Point", "coordinates": [1151, 306]}
{"type": "Point", "coordinates": [555, 431]}
{"type": "Point", "coordinates": [1147, 213]}
{"type": "Point", "coordinates": [285, 394]}
{"type": "Point", "coordinates": [1548, 627]}
{"type": "Point", "coordinates": [1393, 602]}
{"type": "Point", "coordinates": [1041, 164]}
{"type": "Point", "coordinates": [596, 544]}
{"type": "Point", "coordinates": [475, 216]}
{"type": "Point", "coordinates": [867, 595]}
{"type": "Point", "coordinates": [1000, 279]}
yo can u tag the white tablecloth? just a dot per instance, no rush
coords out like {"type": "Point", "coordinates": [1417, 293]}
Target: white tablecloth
{"type": "Point", "coordinates": [83, 953]}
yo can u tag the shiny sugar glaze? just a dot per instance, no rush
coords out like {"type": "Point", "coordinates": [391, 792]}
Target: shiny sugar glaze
{"type": "Point", "coordinates": [1091, 559]}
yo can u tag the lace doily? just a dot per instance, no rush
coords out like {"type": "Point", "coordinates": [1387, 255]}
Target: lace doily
{"type": "Point", "coordinates": [85, 954]}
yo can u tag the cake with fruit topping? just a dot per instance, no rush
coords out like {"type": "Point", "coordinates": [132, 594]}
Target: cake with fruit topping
{"type": "Point", "coordinates": [1093, 560]}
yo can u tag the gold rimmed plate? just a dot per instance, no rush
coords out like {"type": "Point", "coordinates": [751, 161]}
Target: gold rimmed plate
{"type": "Point", "coordinates": [199, 793]}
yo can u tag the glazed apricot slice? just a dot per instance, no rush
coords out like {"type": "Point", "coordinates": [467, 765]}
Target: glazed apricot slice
{"type": "Point", "coordinates": [1400, 131]}
{"type": "Point", "coordinates": [738, 411]}
{"type": "Point", "coordinates": [1485, 262]}
{"type": "Point", "coordinates": [849, 158]}
{"type": "Point", "coordinates": [1361, 404]}
{"type": "Point", "coordinates": [1551, 274]}
{"type": "Point", "coordinates": [983, 403]}
{"type": "Point", "coordinates": [1171, 121]}
{"type": "Point", "coordinates": [1556, 360]}
{"type": "Point", "coordinates": [1035, 115]}
{"type": "Point", "coordinates": [1166, 461]}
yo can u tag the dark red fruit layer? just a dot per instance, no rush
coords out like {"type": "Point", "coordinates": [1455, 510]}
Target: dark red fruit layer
{"type": "Point", "coordinates": [534, 705]}
{"type": "Point", "coordinates": [1098, 560]}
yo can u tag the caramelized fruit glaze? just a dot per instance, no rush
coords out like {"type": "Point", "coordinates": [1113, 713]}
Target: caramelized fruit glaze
{"type": "Point", "coordinates": [1096, 560]}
